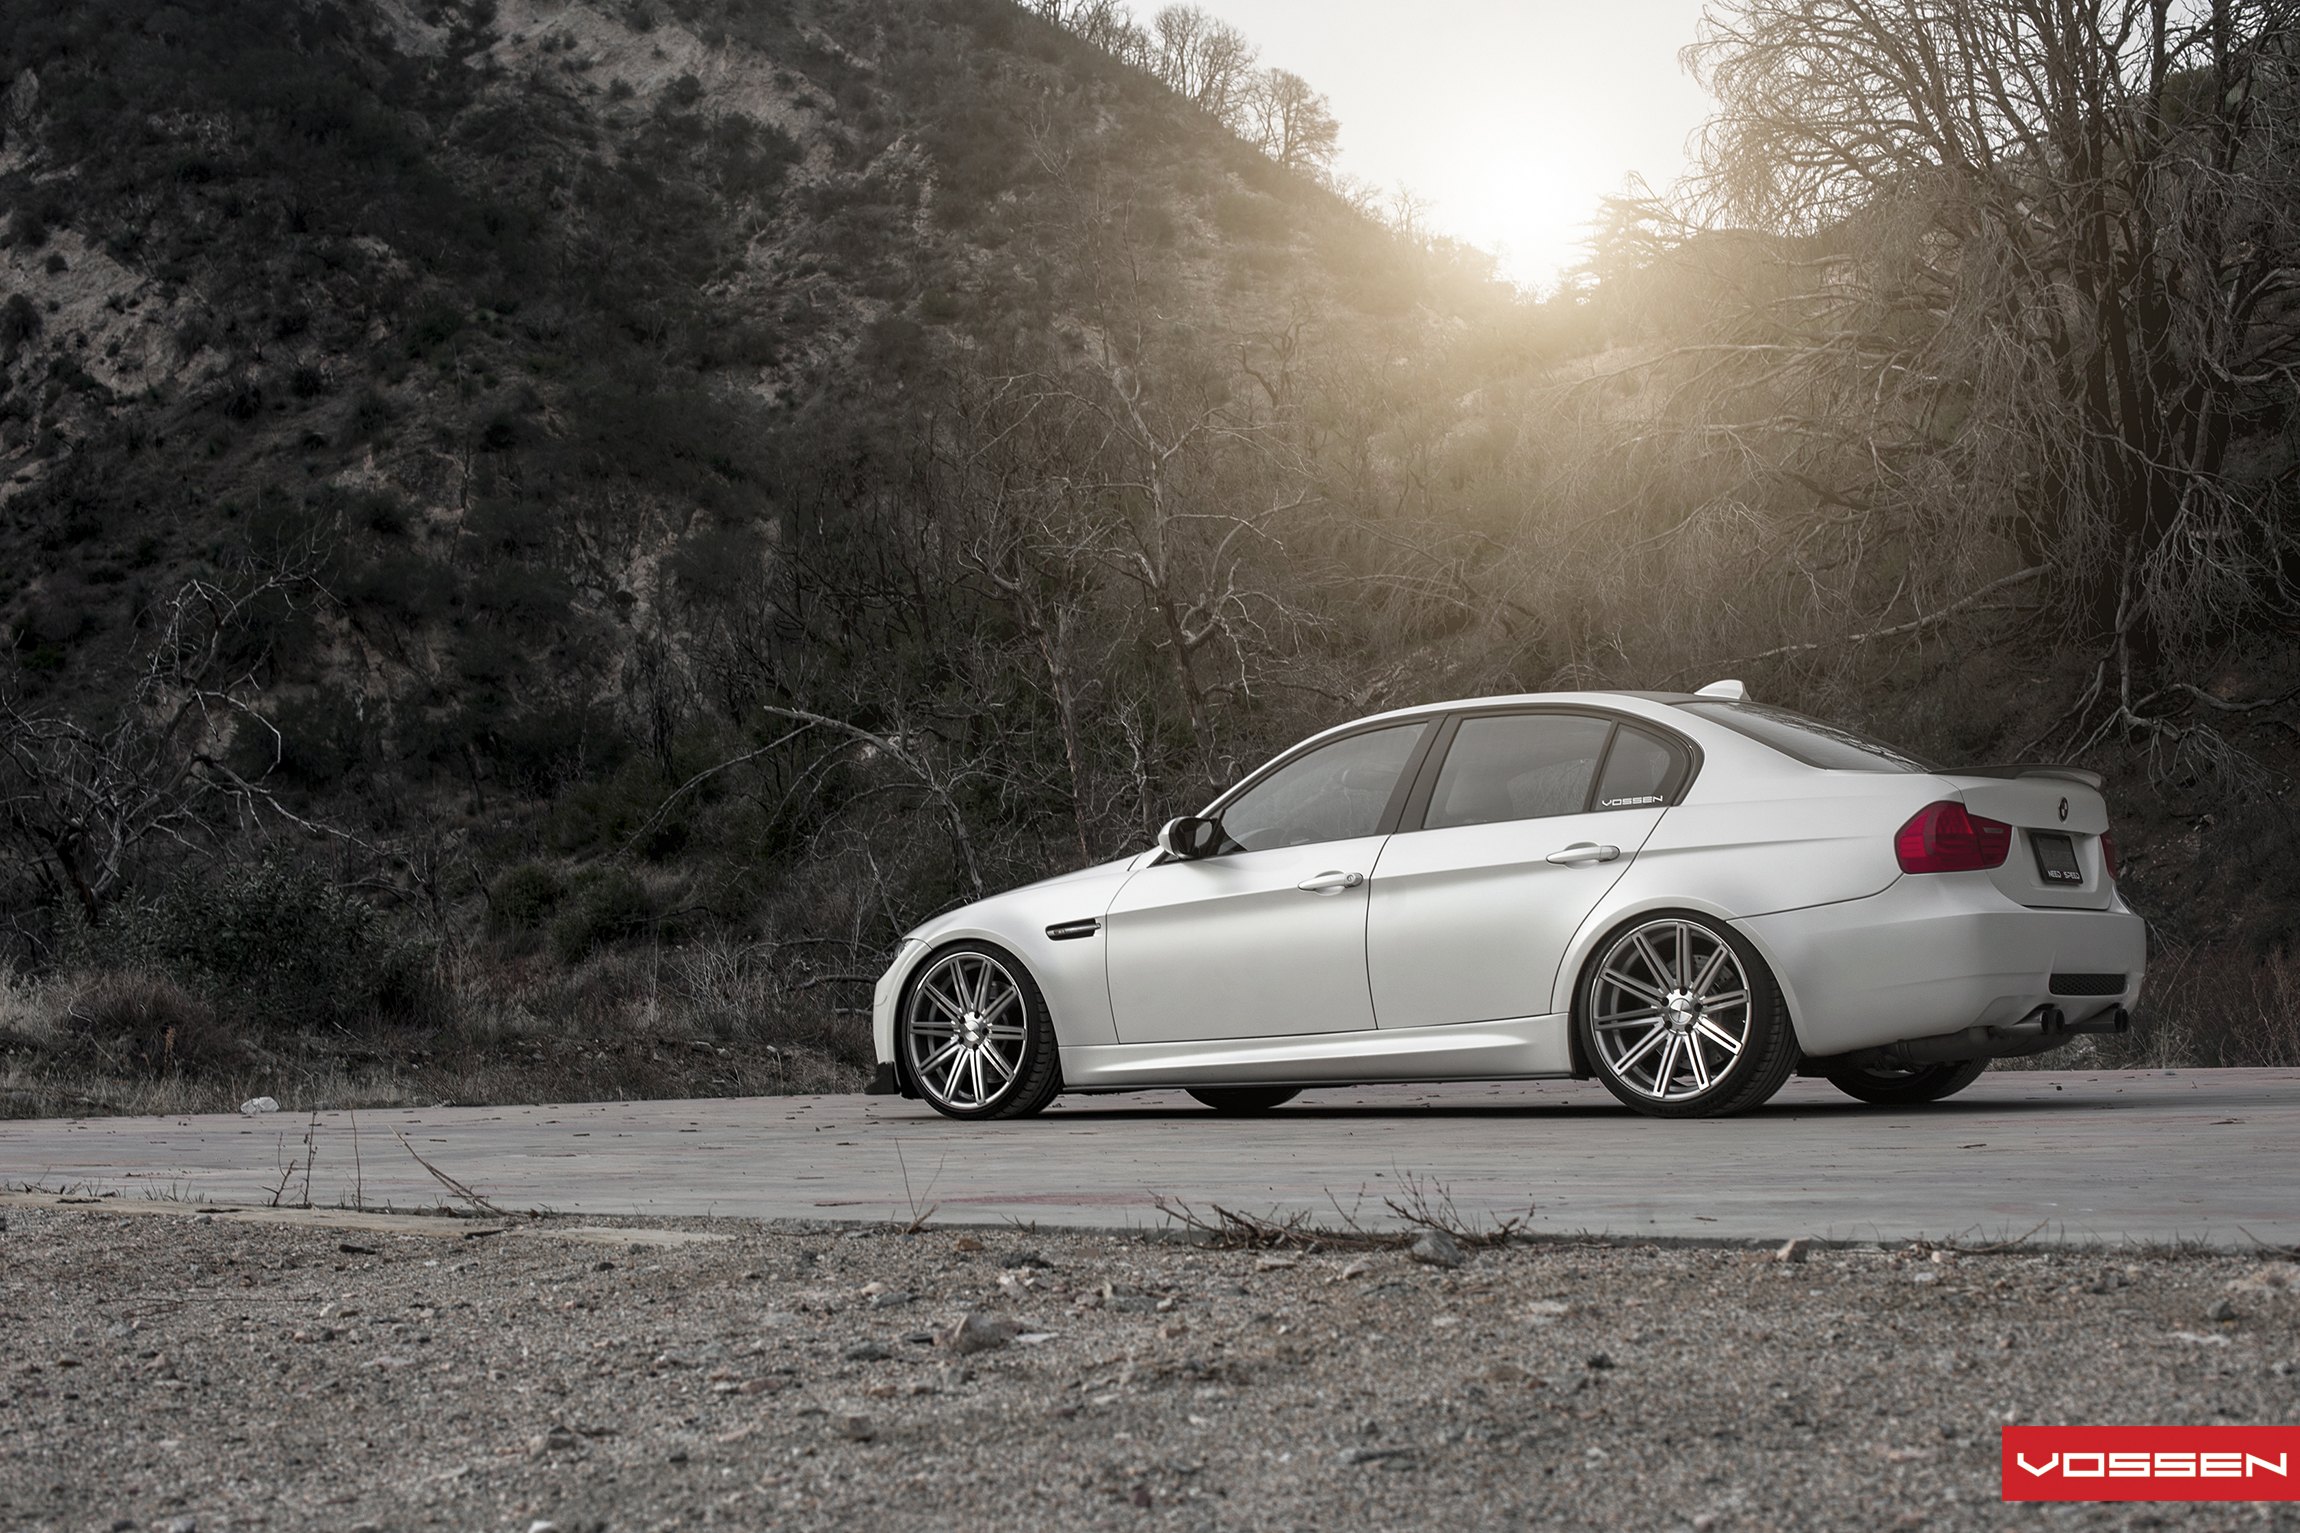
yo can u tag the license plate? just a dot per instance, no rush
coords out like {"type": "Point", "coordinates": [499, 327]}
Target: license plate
{"type": "Point", "coordinates": [2055, 857]}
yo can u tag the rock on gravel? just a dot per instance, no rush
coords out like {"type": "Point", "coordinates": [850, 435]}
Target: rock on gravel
{"type": "Point", "coordinates": [2277, 1279]}
{"type": "Point", "coordinates": [1435, 1248]}
{"type": "Point", "coordinates": [978, 1332]}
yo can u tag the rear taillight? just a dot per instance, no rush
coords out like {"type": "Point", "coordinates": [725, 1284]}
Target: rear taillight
{"type": "Point", "coordinates": [2108, 851]}
{"type": "Point", "coordinates": [1944, 838]}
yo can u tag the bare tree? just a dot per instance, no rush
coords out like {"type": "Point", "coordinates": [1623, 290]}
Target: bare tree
{"type": "Point", "coordinates": [1994, 286]}
{"type": "Point", "coordinates": [1017, 495]}
{"type": "Point", "coordinates": [1107, 24]}
{"type": "Point", "coordinates": [1407, 213]}
{"type": "Point", "coordinates": [1206, 60]}
{"type": "Point", "coordinates": [940, 784]}
{"type": "Point", "coordinates": [1101, 508]}
{"type": "Point", "coordinates": [79, 800]}
{"type": "Point", "coordinates": [1290, 122]}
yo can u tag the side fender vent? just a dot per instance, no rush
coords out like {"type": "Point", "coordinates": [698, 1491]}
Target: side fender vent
{"type": "Point", "coordinates": [1069, 931]}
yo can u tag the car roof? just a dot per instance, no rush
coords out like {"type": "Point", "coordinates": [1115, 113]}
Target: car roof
{"type": "Point", "coordinates": [1519, 700]}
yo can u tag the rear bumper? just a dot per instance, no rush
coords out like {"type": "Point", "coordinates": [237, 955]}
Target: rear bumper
{"type": "Point", "coordinates": [1935, 953]}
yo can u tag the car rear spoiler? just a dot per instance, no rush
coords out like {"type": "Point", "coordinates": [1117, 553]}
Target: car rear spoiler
{"type": "Point", "coordinates": [2090, 779]}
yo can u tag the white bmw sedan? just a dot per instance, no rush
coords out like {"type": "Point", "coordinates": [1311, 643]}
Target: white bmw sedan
{"type": "Point", "coordinates": [1689, 896]}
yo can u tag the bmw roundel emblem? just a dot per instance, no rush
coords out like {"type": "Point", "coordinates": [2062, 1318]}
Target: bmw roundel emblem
{"type": "Point", "coordinates": [2064, 808]}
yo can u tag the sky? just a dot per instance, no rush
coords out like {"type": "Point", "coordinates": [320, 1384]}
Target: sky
{"type": "Point", "coordinates": [1511, 118]}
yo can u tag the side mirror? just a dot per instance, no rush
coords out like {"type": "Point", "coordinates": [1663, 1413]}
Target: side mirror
{"type": "Point", "coordinates": [1189, 838]}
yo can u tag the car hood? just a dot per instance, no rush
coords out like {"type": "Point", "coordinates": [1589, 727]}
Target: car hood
{"type": "Point", "coordinates": [1075, 895]}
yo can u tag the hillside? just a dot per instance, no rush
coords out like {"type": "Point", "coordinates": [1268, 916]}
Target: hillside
{"type": "Point", "coordinates": [554, 532]}
{"type": "Point", "coordinates": [429, 434]}
{"type": "Point", "coordinates": [509, 312]}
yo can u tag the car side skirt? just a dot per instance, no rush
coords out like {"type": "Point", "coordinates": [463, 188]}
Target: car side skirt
{"type": "Point", "coordinates": [1514, 1048]}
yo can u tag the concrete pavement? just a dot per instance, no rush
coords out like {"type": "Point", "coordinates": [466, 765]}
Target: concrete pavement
{"type": "Point", "coordinates": [2196, 1155]}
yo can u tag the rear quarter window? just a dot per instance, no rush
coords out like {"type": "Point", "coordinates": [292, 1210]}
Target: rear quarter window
{"type": "Point", "coordinates": [1808, 740]}
{"type": "Point", "coordinates": [1640, 772]}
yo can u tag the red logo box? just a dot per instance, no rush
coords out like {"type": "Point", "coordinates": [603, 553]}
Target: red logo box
{"type": "Point", "coordinates": [2152, 1463]}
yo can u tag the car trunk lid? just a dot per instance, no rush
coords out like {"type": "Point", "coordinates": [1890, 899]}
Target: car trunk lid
{"type": "Point", "coordinates": [2058, 816]}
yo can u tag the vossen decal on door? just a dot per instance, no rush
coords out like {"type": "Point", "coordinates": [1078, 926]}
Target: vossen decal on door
{"type": "Point", "coordinates": [2167, 1463]}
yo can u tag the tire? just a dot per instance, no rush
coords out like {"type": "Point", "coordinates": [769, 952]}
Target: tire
{"type": "Point", "coordinates": [1908, 1088]}
{"type": "Point", "coordinates": [1679, 1018]}
{"type": "Point", "coordinates": [957, 1043]}
{"type": "Point", "coordinates": [1245, 1099]}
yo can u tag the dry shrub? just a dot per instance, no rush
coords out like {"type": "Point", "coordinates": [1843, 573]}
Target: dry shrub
{"type": "Point", "coordinates": [27, 1007]}
{"type": "Point", "coordinates": [757, 992]}
{"type": "Point", "coordinates": [755, 997]}
{"type": "Point", "coordinates": [2238, 1009]}
{"type": "Point", "coordinates": [2203, 1007]}
{"type": "Point", "coordinates": [147, 1023]}
{"type": "Point", "coordinates": [277, 946]}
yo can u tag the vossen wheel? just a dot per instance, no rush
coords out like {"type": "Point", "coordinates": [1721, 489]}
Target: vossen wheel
{"type": "Point", "coordinates": [1679, 1018]}
{"type": "Point", "coordinates": [974, 1036]}
{"type": "Point", "coordinates": [1908, 1088]}
{"type": "Point", "coordinates": [1245, 1099]}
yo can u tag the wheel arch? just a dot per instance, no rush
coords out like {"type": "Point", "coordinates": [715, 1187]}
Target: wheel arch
{"type": "Point", "coordinates": [921, 956]}
{"type": "Point", "coordinates": [1608, 922]}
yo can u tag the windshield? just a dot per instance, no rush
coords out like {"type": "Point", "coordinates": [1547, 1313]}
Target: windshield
{"type": "Point", "coordinates": [1807, 740]}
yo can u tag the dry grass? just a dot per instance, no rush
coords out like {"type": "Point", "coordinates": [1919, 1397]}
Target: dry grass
{"type": "Point", "coordinates": [643, 1022]}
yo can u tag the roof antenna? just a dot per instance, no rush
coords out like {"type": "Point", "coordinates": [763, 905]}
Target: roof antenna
{"type": "Point", "coordinates": [1730, 691]}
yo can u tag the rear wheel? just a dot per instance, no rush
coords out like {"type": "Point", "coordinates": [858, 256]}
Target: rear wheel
{"type": "Point", "coordinates": [1244, 1099]}
{"type": "Point", "coordinates": [974, 1036]}
{"type": "Point", "coordinates": [1679, 1018]}
{"type": "Point", "coordinates": [1908, 1088]}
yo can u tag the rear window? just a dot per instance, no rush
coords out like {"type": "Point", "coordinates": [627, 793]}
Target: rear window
{"type": "Point", "coordinates": [1807, 740]}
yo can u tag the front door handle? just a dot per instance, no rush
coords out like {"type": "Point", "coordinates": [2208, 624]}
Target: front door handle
{"type": "Point", "coordinates": [1586, 851]}
{"type": "Point", "coordinates": [1331, 883]}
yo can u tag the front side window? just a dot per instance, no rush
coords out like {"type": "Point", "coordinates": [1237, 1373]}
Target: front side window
{"type": "Point", "coordinates": [1333, 793]}
{"type": "Point", "coordinates": [1517, 766]}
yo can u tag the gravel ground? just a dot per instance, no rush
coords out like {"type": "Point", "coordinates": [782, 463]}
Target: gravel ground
{"type": "Point", "coordinates": [166, 1372]}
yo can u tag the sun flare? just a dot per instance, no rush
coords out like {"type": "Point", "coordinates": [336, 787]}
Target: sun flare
{"type": "Point", "coordinates": [1533, 210]}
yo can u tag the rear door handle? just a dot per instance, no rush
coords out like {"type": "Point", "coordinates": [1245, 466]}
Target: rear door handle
{"type": "Point", "coordinates": [1331, 883]}
{"type": "Point", "coordinates": [1586, 851]}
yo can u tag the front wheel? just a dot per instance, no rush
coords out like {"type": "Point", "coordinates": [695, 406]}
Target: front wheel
{"type": "Point", "coordinates": [1245, 1099]}
{"type": "Point", "coordinates": [1679, 1018]}
{"type": "Point", "coordinates": [1908, 1088]}
{"type": "Point", "coordinates": [974, 1036]}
